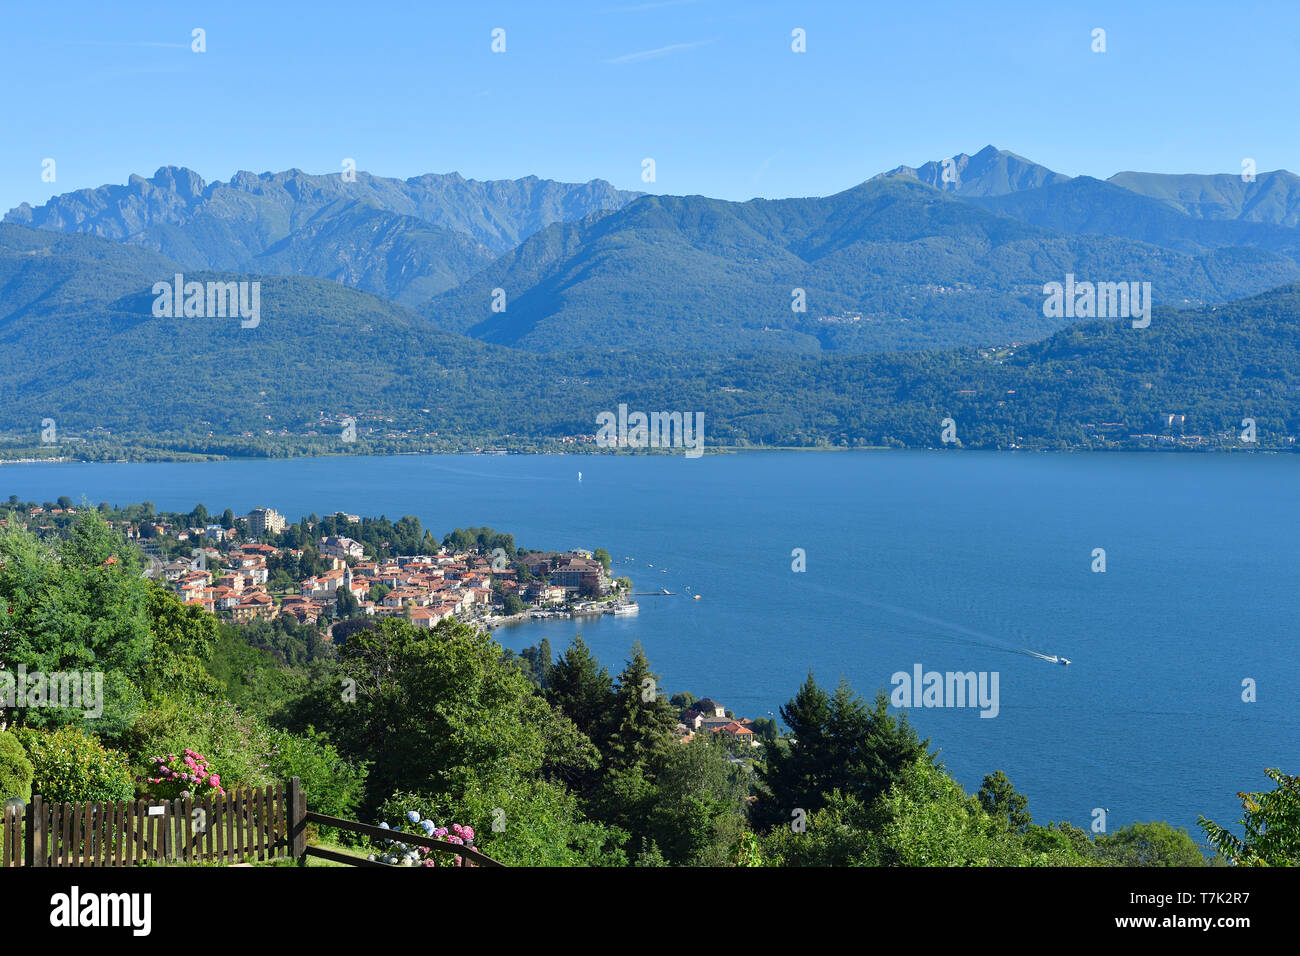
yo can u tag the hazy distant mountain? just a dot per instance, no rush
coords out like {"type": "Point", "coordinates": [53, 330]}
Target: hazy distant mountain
{"type": "Point", "coordinates": [990, 172]}
{"type": "Point", "coordinates": [1273, 197]}
{"type": "Point", "coordinates": [405, 239]}
{"type": "Point", "coordinates": [78, 343]}
{"type": "Point", "coordinates": [889, 264]}
{"type": "Point", "coordinates": [398, 257]}
{"type": "Point", "coordinates": [58, 276]}
{"type": "Point", "coordinates": [1090, 206]}
{"type": "Point", "coordinates": [895, 263]}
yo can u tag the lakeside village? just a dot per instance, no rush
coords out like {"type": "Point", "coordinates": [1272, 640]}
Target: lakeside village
{"type": "Point", "coordinates": [232, 576]}
{"type": "Point", "coordinates": [245, 569]}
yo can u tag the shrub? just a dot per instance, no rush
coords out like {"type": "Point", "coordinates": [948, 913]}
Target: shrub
{"type": "Point", "coordinates": [236, 743]}
{"type": "Point", "coordinates": [334, 785]}
{"type": "Point", "coordinates": [70, 765]}
{"type": "Point", "coordinates": [533, 823]}
{"type": "Point", "coordinates": [186, 775]}
{"type": "Point", "coordinates": [396, 853]}
{"type": "Point", "coordinates": [15, 770]}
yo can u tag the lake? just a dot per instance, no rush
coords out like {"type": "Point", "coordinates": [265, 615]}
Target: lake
{"type": "Point", "coordinates": [954, 561]}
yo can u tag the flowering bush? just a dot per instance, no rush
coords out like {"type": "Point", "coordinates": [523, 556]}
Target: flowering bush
{"type": "Point", "coordinates": [71, 765]}
{"type": "Point", "coordinates": [189, 776]}
{"type": "Point", "coordinates": [236, 742]}
{"type": "Point", "coordinates": [403, 854]}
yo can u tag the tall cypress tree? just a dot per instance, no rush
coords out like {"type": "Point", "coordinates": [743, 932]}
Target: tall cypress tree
{"type": "Point", "coordinates": [642, 719]}
{"type": "Point", "coordinates": [838, 742]}
{"type": "Point", "coordinates": [793, 773]}
{"type": "Point", "coordinates": [546, 662]}
{"type": "Point", "coordinates": [581, 689]}
{"type": "Point", "coordinates": [639, 732]}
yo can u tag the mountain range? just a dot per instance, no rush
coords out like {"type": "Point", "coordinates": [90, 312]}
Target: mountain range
{"type": "Point", "coordinates": [905, 260]}
{"type": "Point", "coordinates": [1270, 197]}
{"type": "Point", "coordinates": [404, 239]}
{"type": "Point", "coordinates": [890, 264]}
{"type": "Point", "coordinates": [378, 296]}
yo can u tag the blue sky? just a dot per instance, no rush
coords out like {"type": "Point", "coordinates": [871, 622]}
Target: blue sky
{"type": "Point", "coordinates": [708, 88]}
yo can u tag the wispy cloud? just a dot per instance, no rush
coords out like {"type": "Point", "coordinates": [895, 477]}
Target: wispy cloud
{"type": "Point", "coordinates": [178, 46]}
{"type": "Point", "coordinates": [656, 53]}
{"type": "Point", "coordinates": [121, 74]}
{"type": "Point", "coordinates": [652, 6]}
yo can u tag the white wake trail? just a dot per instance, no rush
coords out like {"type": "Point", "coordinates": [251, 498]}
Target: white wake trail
{"type": "Point", "coordinates": [980, 638]}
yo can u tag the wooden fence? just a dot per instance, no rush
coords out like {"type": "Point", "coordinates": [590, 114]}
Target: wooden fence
{"type": "Point", "coordinates": [262, 824]}
{"type": "Point", "coordinates": [242, 825]}
{"type": "Point", "coordinates": [11, 837]}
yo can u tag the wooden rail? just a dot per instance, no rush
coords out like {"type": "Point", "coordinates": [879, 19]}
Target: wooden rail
{"type": "Point", "coordinates": [379, 833]}
{"type": "Point", "coordinates": [260, 824]}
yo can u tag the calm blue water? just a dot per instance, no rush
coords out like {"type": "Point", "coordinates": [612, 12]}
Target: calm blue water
{"type": "Point", "coordinates": [953, 561]}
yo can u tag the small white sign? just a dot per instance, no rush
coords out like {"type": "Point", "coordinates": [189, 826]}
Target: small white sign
{"type": "Point", "coordinates": [158, 810]}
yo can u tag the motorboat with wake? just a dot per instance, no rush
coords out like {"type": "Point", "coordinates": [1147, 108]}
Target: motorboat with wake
{"type": "Point", "coordinates": [1053, 659]}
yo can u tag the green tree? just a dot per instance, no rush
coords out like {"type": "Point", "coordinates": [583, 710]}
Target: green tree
{"type": "Point", "coordinates": [765, 729]}
{"type": "Point", "coordinates": [1001, 802]}
{"type": "Point", "coordinates": [15, 770]}
{"type": "Point", "coordinates": [582, 690]}
{"type": "Point", "coordinates": [538, 661]}
{"type": "Point", "coordinates": [641, 719]}
{"type": "Point", "coordinates": [1149, 844]}
{"type": "Point", "coordinates": [639, 726]}
{"type": "Point", "coordinates": [345, 603]}
{"type": "Point", "coordinates": [696, 813]}
{"type": "Point", "coordinates": [926, 819]}
{"type": "Point", "coordinates": [441, 712]}
{"type": "Point", "coordinates": [183, 638]}
{"type": "Point", "coordinates": [682, 700]}
{"type": "Point", "coordinates": [1271, 825]}
{"type": "Point", "coordinates": [836, 742]}
{"type": "Point", "coordinates": [82, 607]}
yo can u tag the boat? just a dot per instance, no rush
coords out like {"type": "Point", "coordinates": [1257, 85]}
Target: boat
{"type": "Point", "coordinates": [666, 591]}
{"type": "Point", "coordinates": [697, 597]}
{"type": "Point", "coordinates": [626, 609]}
{"type": "Point", "coordinates": [1063, 660]}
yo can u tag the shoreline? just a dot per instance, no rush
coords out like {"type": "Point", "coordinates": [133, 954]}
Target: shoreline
{"type": "Point", "coordinates": [1165, 449]}
{"type": "Point", "coordinates": [535, 614]}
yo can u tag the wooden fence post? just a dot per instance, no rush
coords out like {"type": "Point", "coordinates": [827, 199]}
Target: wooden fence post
{"type": "Point", "coordinates": [31, 820]}
{"type": "Point", "coordinates": [297, 808]}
